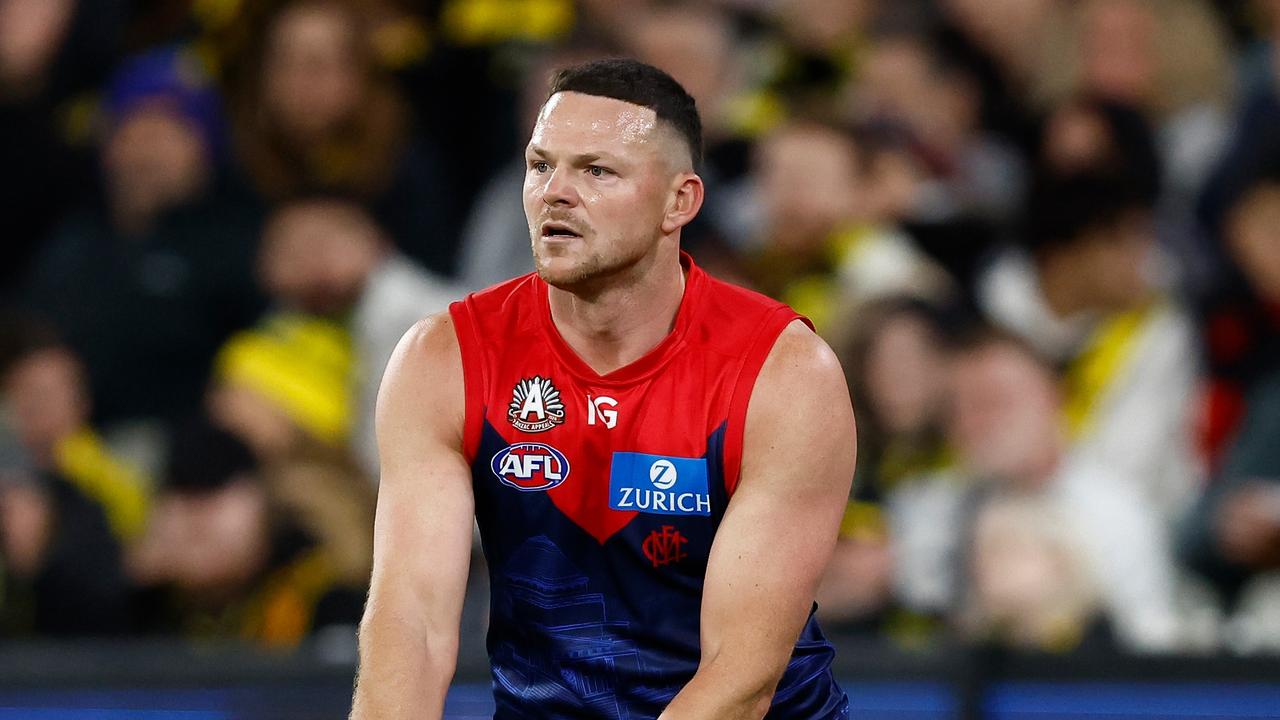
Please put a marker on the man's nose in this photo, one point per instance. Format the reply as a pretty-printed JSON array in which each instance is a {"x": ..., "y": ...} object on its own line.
[{"x": 560, "y": 189}]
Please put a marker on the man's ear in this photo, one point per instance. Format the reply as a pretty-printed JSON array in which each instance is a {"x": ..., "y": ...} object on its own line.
[{"x": 685, "y": 202}]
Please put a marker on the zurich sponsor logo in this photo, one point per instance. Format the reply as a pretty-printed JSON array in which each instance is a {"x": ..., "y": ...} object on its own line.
[
  {"x": 530, "y": 467},
  {"x": 662, "y": 473},
  {"x": 659, "y": 484}
]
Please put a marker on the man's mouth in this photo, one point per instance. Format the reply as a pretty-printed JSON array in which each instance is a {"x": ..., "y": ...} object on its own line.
[{"x": 558, "y": 231}]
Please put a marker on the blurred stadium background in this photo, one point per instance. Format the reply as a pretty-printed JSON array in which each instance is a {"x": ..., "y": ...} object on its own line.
[{"x": 1044, "y": 235}]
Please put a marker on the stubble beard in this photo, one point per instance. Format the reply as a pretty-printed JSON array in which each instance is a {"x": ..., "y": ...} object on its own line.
[{"x": 587, "y": 276}]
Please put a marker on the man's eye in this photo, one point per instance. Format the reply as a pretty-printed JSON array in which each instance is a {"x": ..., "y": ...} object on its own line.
[
  {"x": 598, "y": 171},
  {"x": 539, "y": 166}
]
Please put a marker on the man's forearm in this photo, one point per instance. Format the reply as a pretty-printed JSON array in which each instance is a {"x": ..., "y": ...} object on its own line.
[
  {"x": 720, "y": 692},
  {"x": 403, "y": 673}
]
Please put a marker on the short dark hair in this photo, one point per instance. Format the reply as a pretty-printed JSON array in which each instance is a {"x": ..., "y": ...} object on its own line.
[
  {"x": 205, "y": 458},
  {"x": 22, "y": 336},
  {"x": 639, "y": 84},
  {"x": 1062, "y": 208}
]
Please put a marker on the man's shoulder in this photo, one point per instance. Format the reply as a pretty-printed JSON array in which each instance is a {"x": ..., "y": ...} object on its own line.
[
  {"x": 799, "y": 353},
  {"x": 736, "y": 318}
]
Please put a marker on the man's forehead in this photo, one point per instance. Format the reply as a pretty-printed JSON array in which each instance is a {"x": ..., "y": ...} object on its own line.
[{"x": 601, "y": 119}]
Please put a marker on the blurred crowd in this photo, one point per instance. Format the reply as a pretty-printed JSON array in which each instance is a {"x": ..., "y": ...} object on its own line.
[{"x": 1043, "y": 235}]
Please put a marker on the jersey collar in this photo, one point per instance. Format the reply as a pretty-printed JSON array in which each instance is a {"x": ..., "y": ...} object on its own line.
[{"x": 647, "y": 364}]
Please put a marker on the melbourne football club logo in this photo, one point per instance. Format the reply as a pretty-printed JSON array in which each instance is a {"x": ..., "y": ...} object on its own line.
[
  {"x": 530, "y": 467},
  {"x": 665, "y": 546},
  {"x": 535, "y": 405},
  {"x": 659, "y": 485}
]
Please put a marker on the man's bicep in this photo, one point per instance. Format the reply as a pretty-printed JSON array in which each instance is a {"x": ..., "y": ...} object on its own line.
[
  {"x": 423, "y": 527},
  {"x": 780, "y": 527}
]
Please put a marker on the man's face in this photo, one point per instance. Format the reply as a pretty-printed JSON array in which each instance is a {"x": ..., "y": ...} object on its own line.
[
  {"x": 808, "y": 184},
  {"x": 600, "y": 174},
  {"x": 1253, "y": 237},
  {"x": 1118, "y": 260},
  {"x": 1004, "y": 413},
  {"x": 312, "y": 80},
  {"x": 905, "y": 375},
  {"x": 214, "y": 541},
  {"x": 155, "y": 159},
  {"x": 47, "y": 397},
  {"x": 317, "y": 256}
]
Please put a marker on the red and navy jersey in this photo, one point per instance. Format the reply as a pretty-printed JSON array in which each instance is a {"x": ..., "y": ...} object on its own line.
[{"x": 598, "y": 497}]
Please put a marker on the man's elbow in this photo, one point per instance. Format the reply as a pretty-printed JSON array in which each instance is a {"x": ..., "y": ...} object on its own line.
[
  {"x": 753, "y": 685},
  {"x": 758, "y": 706}
]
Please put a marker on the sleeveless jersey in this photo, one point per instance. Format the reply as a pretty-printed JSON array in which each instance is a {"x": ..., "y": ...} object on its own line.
[{"x": 598, "y": 498}]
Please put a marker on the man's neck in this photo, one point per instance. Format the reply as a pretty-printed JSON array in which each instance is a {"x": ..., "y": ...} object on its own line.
[{"x": 616, "y": 325}]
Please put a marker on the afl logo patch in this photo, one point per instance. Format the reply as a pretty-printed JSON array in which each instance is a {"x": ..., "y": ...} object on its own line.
[
  {"x": 530, "y": 467},
  {"x": 535, "y": 405}
]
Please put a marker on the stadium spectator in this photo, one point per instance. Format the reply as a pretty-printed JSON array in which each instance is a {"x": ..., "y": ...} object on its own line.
[
  {"x": 146, "y": 285},
  {"x": 226, "y": 557},
  {"x": 287, "y": 382},
  {"x": 1030, "y": 586},
  {"x": 316, "y": 113},
  {"x": 45, "y": 389},
  {"x": 1083, "y": 298},
  {"x": 897, "y": 368},
  {"x": 286, "y": 389},
  {"x": 808, "y": 59},
  {"x": 327, "y": 257},
  {"x": 1233, "y": 535},
  {"x": 1168, "y": 57},
  {"x": 1242, "y": 317},
  {"x": 1250, "y": 158},
  {"x": 54, "y": 55},
  {"x": 60, "y": 565},
  {"x": 1007, "y": 428},
  {"x": 67, "y": 505},
  {"x": 827, "y": 239},
  {"x": 905, "y": 85}
]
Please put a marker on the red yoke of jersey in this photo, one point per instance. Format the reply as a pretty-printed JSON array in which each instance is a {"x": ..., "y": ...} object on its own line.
[{"x": 668, "y": 402}]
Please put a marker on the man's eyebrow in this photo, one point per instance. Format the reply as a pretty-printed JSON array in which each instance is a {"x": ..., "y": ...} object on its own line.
[{"x": 579, "y": 159}]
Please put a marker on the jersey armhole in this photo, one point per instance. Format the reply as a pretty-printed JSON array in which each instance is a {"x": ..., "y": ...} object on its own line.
[
  {"x": 756, "y": 353},
  {"x": 473, "y": 376}
]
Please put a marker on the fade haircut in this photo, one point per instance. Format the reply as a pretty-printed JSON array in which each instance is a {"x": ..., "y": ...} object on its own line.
[{"x": 639, "y": 84}]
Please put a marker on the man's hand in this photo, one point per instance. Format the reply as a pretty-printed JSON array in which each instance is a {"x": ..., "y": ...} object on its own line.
[
  {"x": 26, "y": 525},
  {"x": 1249, "y": 526}
]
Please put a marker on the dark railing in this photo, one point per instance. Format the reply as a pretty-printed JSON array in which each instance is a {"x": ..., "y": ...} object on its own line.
[{"x": 109, "y": 680}]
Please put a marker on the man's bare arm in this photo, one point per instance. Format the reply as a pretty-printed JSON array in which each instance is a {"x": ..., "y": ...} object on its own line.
[
  {"x": 422, "y": 534},
  {"x": 778, "y": 531}
]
